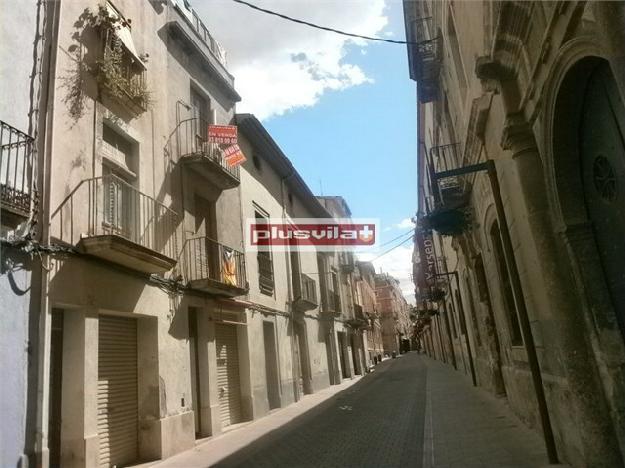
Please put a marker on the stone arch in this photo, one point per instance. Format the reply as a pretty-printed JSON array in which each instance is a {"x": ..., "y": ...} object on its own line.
[{"x": 562, "y": 111}]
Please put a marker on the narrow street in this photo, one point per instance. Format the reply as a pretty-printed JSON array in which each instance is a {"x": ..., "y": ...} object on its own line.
[{"x": 412, "y": 411}]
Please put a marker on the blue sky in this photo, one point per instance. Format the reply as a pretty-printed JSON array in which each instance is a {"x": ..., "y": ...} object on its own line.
[{"x": 344, "y": 112}]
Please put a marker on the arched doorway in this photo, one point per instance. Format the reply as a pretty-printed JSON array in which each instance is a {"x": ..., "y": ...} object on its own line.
[
  {"x": 588, "y": 174},
  {"x": 602, "y": 149}
]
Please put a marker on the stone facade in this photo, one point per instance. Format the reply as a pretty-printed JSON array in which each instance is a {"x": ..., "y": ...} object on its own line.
[{"x": 513, "y": 82}]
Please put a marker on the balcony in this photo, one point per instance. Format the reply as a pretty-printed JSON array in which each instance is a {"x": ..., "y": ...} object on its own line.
[
  {"x": 451, "y": 191},
  {"x": 185, "y": 26},
  {"x": 106, "y": 217},
  {"x": 331, "y": 303},
  {"x": 424, "y": 54},
  {"x": 209, "y": 266},
  {"x": 305, "y": 293},
  {"x": 121, "y": 73},
  {"x": 16, "y": 173},
  {"x": 189, "y": 145},
  {"x": 346, "y": 262}
]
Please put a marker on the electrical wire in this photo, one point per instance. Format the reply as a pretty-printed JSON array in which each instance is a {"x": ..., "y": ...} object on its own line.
[
  {"x": 392, "y": 248},
  {"x": 323, "y": 28},
  {"x": 398, "y": 237}
]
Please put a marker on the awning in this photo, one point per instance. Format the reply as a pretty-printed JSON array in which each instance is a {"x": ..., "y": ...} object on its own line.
[{"x": 124, "y": 35}]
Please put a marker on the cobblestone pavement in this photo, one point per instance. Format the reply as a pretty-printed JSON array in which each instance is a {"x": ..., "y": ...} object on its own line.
[
  {"x": 411, "y": 412},
  {"x": 375, "y": 423}
]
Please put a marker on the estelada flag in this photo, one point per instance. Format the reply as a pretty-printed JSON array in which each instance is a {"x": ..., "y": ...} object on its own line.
[{"x": 234, "y": 156}]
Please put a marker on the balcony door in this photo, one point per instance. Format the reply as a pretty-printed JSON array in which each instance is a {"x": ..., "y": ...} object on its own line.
[
  {"x": 199, "y": 113},
  {"x": 120, "y": 205},
  {"x": 207, "y": 253}
]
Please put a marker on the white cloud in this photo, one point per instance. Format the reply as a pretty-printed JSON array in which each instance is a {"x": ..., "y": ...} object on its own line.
[
  {"x": 405, "y": 223},
  {"x": 279, "y": 65},
  {"x": 397, "y": 263}
]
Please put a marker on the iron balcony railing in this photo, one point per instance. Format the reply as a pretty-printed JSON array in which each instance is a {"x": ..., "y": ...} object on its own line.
[
  {"x": 427, "y": 58},
  {"x": 201, "y": 31},
  {"x": 206, "y": 37},
  {"x": 450, "y": 191},
  {"x": 332, "y": 302},
  {"x": 108, "y": 205},
  {"x": 16, "y": 169},
  {"x": 306, "y": 289},
  {"x": 190, "y": 139},
  {"x": 124, "y": 76},
  {"x": 203, "y": 258}
]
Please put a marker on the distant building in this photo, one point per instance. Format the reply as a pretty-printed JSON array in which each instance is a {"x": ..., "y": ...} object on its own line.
[{"x": 394, "y": 312}]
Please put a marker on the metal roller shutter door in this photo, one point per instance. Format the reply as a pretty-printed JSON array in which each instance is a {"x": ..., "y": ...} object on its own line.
[
  {"x": 228, "y": 382},
  {"x": 117, "y": 391}
]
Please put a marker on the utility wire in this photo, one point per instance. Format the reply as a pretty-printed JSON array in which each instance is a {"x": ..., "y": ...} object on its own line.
[
  {"x": 392, "y": 248},
  {"x": 323, "y": 28},
  {"x": 410, "y": 231}
]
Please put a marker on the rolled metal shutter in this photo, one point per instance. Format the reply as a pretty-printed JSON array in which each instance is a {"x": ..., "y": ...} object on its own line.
[
  {"x": 117, "y": 391},
  {"x": 228, "y": 381}
]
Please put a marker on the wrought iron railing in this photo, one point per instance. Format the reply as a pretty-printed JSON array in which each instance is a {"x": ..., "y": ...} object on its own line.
[
  {"x": 427, "y": 56},
  {"x": 332, "y": 302},
  {"x": 450, "y": 191},
  {"x": 121, "y": 73},
  {"x": 108, "y": 205},
  {"x": 16, "y": 169},
  {"x": 306, "y": 289},
  {"x": 204, "y": 258},
  {"x": 202, "y": 32},
  {"x": 190, "y": 139},
  {"x": 206, "y": 37}
]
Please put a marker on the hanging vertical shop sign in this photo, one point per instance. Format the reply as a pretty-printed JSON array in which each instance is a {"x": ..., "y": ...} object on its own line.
[{"x": 425, "y": 260}]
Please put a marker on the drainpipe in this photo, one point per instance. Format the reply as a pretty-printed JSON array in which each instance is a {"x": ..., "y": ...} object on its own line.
[
  {"x": 39, "y": 281},
  {"x": 519, "y": 299},
  {"x": 294, "y": 365}
]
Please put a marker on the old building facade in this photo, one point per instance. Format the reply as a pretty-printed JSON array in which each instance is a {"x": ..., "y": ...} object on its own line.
[
  {"x": 520, "y": 213},
  {"x": 394, "y": 314},
  {"x": 137, "y": 320}
]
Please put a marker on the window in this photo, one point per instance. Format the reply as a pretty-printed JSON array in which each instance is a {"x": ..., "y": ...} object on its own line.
[
  {"x": 265, "y": 264},
  {"x": 199, "y": 114},
  {"x": 506, "y": 286},
  {"x": 118, "y": 150},
  {"x": 454, "y": 45}
]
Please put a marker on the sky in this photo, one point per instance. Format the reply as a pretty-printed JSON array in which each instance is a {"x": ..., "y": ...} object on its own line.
[{"x": 343, "y": 110}]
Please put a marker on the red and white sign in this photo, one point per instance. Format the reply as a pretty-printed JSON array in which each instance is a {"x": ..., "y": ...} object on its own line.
[
  {"x": 234, "y": 156},
  {"x": 319, "y": 234},
  {"x": 222, "y": 134}
]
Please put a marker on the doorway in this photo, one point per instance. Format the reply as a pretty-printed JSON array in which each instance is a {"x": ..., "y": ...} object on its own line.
[
  {"x": 271, "y": 365},
  {"x": 196, "y": 395},
  {"x": 56, "y": 382},
  {"x": 602, "y": 148}
]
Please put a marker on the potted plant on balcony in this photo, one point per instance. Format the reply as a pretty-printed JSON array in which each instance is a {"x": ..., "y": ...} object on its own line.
[
  {"x": 448, "y": 221},
  {"x": 118, "y": 71}
]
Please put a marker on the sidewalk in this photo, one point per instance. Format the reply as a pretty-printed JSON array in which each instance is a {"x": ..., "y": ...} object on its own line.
[
  {"x": 466, "y": 427},
  {"x": 211, "y": 451}
]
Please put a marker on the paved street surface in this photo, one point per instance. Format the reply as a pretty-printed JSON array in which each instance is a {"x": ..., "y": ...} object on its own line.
[{"x": 411, "y": 412}]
